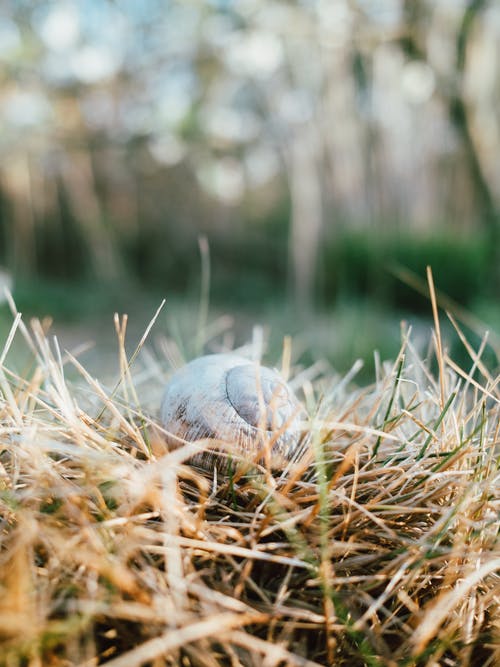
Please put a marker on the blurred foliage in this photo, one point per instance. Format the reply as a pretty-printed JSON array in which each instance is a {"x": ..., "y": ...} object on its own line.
[
  {"x": 72, "y": 301},
  {"x": 368, "y": 265}
]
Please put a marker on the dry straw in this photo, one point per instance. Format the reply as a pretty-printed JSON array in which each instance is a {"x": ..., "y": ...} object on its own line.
[{"x": 379, "y": 547}]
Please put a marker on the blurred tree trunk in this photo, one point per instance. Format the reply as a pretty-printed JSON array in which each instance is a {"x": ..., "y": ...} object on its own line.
[
  {"x": 21, "y": 250},
  {"x": 306, "y": 214},
  {"x": 459, "y": 116},
  {"x": 79, "y": 178}
]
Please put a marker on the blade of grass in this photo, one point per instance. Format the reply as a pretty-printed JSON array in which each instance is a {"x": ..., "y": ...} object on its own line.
[
  {"x": 204, "y": 295},
  {"x": 134, "y": 355},
  {"x": 437, "y": 329},
  {"x": 437, "y": 423},
  {"x": 391, "y": 401}
]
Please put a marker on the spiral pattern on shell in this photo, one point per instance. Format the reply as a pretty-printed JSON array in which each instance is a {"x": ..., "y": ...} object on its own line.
[{"x": 243, "y": 407}]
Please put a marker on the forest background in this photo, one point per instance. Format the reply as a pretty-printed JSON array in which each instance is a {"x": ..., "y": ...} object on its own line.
[{"x": 301, "y": 161}]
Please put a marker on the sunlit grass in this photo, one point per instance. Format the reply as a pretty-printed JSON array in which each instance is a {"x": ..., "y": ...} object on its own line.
[{"x": 379, "y": 547}]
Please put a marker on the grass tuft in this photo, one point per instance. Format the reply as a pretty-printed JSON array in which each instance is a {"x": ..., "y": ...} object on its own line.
[{"x": 379, "y": 547}]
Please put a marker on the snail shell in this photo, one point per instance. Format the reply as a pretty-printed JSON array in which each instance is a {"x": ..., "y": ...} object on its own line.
[{"x": 245, "y": 408}]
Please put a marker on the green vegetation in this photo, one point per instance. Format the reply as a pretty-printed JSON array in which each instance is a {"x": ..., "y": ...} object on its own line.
[
  {"x": 366, "y": 285},
  {"x": 250, "y": 267},
  {"x": 372, "y": 264}
]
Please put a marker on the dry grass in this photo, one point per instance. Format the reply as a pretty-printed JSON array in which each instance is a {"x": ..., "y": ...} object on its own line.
[{"x": 379, "y": 548}]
